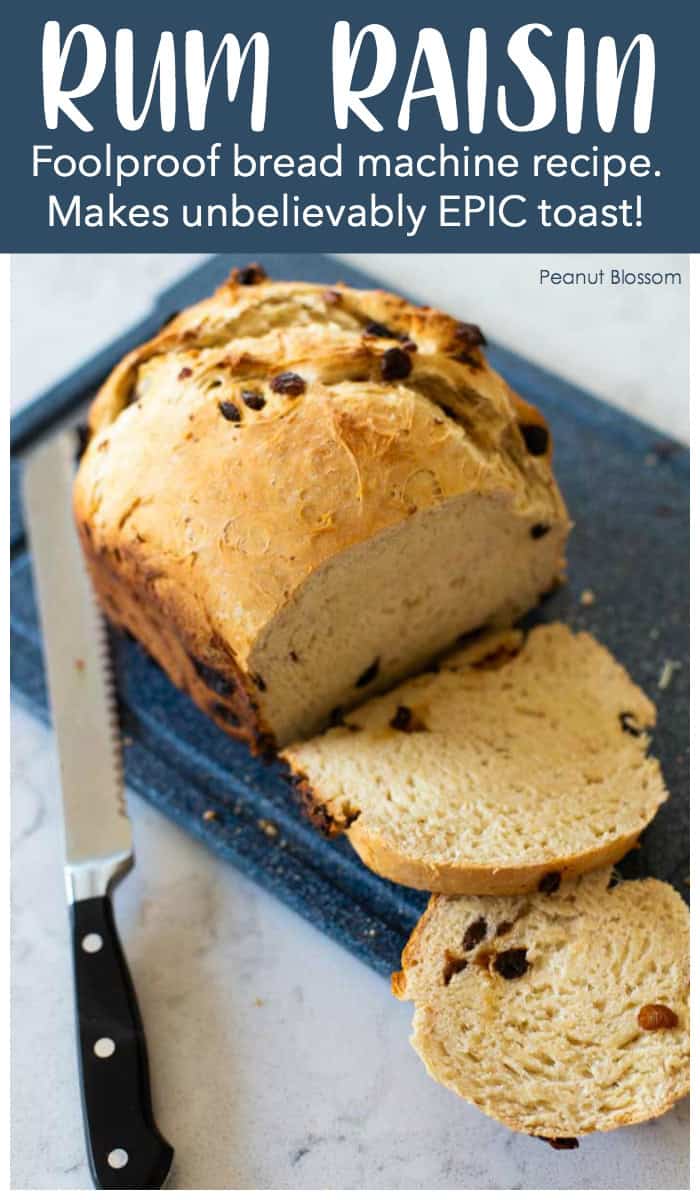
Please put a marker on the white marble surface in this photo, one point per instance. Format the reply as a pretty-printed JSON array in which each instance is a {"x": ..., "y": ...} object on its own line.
[{"x": 278, "y": 1060}]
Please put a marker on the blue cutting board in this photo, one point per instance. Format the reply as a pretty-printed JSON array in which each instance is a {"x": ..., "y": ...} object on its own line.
[{"x": 627, "y": 489}]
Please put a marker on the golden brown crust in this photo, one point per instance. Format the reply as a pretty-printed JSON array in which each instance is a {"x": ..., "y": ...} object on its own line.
[
  {"x": 273, "y": 427},
  {"x": 204, "y": 668},
  {"x": 316, "y": 813},
  {"x": 451, "y": 880},
  {"x": 411, "y": 951}
]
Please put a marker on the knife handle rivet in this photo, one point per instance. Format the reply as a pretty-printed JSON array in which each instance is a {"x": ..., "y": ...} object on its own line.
[
  {"x": 104, "y": 1047},
  {"x": 117, "y": 1159},
  {"x": 91, "y": 943}
]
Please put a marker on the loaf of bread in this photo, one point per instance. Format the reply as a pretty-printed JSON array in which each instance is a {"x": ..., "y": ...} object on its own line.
[
  {"x": 515, "y": 762},
  {"x": 558, "y": 1014},
  {"x": 295, "y": 495}
]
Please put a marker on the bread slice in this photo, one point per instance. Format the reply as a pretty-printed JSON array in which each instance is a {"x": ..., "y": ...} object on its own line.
[
  {"x": 295, "y": 495},
  {"x": 517, "y": 759},
  {"x": 560, "y": 1014}
]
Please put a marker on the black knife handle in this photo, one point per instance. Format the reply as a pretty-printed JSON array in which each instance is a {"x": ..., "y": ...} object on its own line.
[{"x": 124, "y": 1146}]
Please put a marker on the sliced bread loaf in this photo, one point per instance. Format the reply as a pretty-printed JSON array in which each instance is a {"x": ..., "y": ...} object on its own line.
[
  {"x": 517, "y": 759},
  {"x": 295, "y": 495},
  {"x": 556, "y": 1014}
]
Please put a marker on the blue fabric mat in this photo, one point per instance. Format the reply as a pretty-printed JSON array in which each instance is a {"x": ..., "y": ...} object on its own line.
[{"x": 627, "y": 489}]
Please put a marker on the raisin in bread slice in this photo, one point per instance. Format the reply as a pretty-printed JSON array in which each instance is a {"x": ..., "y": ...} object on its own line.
[
  {"x": 517, "y": 758},
  {"x": 295, "y": 495},
  {"x": 558, "y": 1014}
]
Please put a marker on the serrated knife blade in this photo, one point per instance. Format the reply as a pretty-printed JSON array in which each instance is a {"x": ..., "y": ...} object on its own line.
[
  {"x": 125, "y": 1148},
  {"x": 98, "y": 839}
]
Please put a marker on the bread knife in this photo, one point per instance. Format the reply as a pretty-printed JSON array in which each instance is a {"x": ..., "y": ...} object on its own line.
[{"x": 125, "y": 1148}]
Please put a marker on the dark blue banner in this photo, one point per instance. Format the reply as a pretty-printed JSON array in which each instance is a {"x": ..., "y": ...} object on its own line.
[{"x": 500, "y": 126}]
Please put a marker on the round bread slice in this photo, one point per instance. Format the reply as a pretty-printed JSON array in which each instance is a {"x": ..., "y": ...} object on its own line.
[
  {"x": 516, "y": 759},
  {"x": 560, "y": 1014}
]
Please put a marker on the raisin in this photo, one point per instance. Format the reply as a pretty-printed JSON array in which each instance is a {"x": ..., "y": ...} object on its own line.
[
  {"x": 656, "y": 1016},
  {"x": 402, "y": 718},
  {"x": 465, "y": 357},
  {"x": 549, "y": 884},
  {"x": 185, "y": 373},
  {"x": 511, "y": 964},
  {"x": 536, "y": 438},
  {"x": 225, "y": 714},
  {"x": 453, "y": 965},
  {"x": 288, "y": 383},
  {"x": 369, "y": 675},
  {"x": 539, "y": 531},
  {"x": 213, "y": 679},
  {"x": 396, "y": 364},
  {"x": 350, "y": 814},
  {"x": 628, "y": 724},
  {"x": 561, "y": 1143},
  {"x": 470, "y": 636},
  {"x": 253, "y": 400},
  {"x": 469, "y": 335},
  {"x": 229, "y": 410},
  {"x": 504, "y": 928},
  {"x": 405, "y": 720},
  {"x": 495, "y": 660},
  {"x": 294, "y": 656},
  {"x": 474, "y": 933},
  {"x": 252, "y": 273},
  {"x": 376, "y": 329},
  {"x": 449, "y": 412}
]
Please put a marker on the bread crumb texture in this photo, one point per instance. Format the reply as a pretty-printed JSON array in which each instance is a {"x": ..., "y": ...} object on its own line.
[
  {"x": 519, "y": 759},
  {"x": 593, "y": 1033}
]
